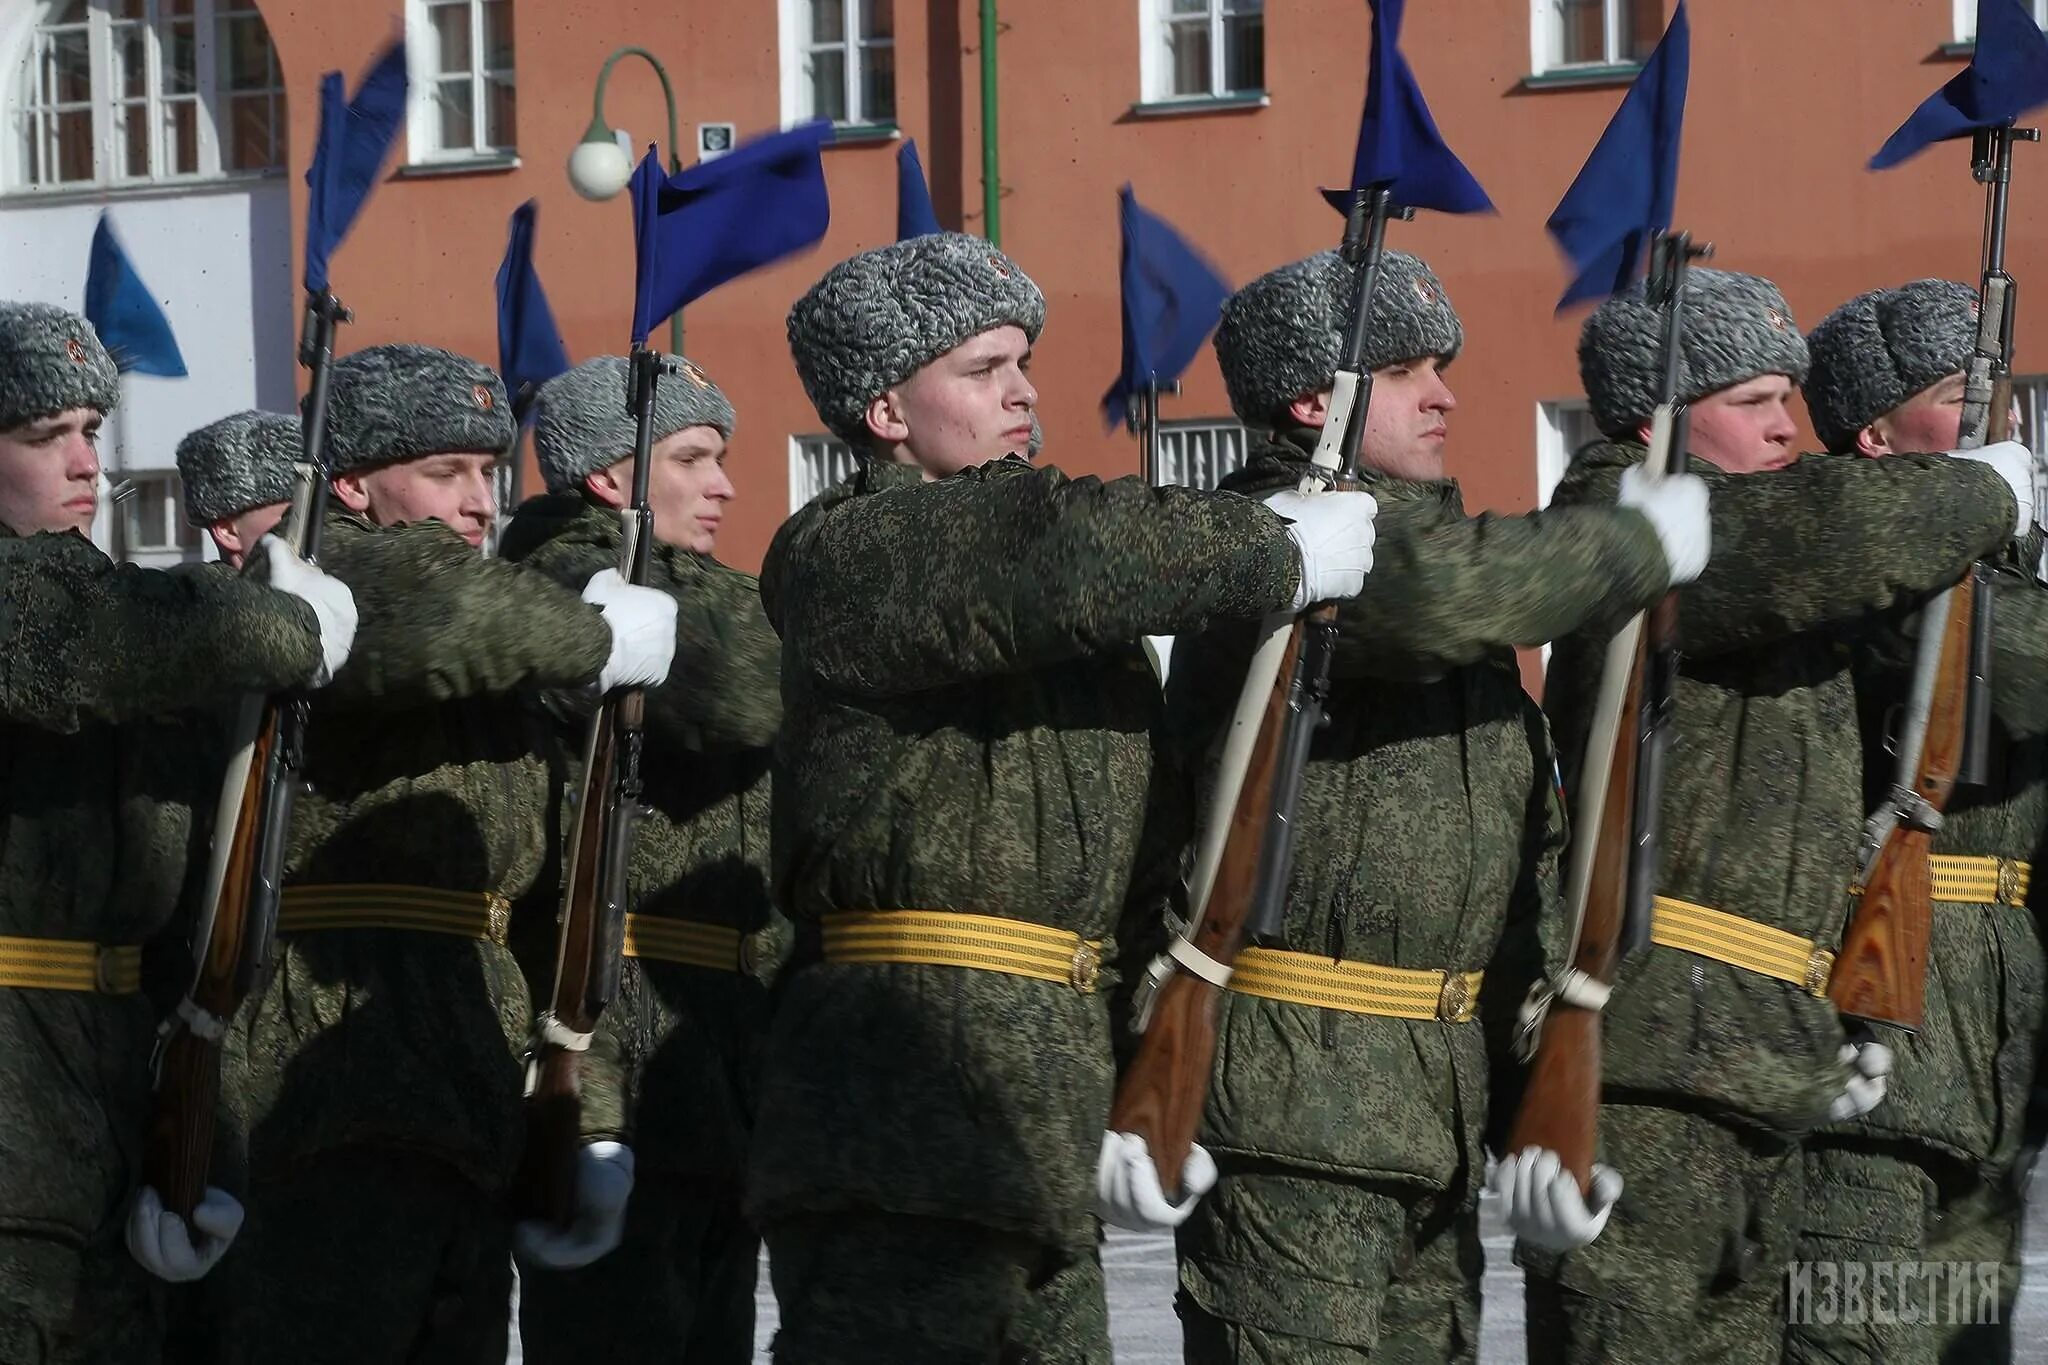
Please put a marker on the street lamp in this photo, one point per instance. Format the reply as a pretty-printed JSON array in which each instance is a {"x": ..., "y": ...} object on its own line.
[{"x": 599, "y": 168}]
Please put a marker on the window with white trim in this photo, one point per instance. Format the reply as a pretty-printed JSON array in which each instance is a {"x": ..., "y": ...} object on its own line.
[
  {"x": 817, "y": 463},
  {"x": 839, "y": 61},
  {"x": 1966, "y": 17},
  {"x": 2030, "y": 396},
  {"x": 113, "y": 93},
  {"x": 1569, "y": 33},
  {"x": 464, "y": 101},
  {"x": 151, "y": 504},
  {"x": 1563, "y": 425},
  {"x": 1201, "y": 49},
  {"x": 1200, "y": 453}
]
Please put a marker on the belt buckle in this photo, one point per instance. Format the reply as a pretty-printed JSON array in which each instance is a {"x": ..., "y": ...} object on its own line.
[
  {"x": 749, "y": 955},
  {"x": 1084, "y": 973},
  {"x": 1820, "y": 968},
  {"x": 1454, "y": 1002},
  {"x": 103, "y": 959},
  {"x": 499, "y": 921},
  {"x": 2008, "y": 882}
]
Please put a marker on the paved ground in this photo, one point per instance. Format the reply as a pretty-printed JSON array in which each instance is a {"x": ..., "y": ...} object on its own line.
[{"x": 1140, "y": 1271}]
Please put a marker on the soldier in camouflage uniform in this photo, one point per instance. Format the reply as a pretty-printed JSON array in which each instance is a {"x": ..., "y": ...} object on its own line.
[
  {"x": 962, "y": 771},
  {"x": 1932, "y": 1174},
  {"x": 376, "y": 1072},
  {"x": 1346, "y": 1116},
  {"x": 237, "y": 478},
  {"x": 692, "y": 1011},
  {"x": 1722, "y": 1050},
  {"x": 109, "y": 760}
]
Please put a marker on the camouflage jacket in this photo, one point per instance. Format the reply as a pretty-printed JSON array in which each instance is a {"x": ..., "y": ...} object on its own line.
[
  {"x": 109, "y": 763},
  {"x": 1428, "y": 828},
  {"x": 969, "y": 727},
  {"x": 427, "y": 764},
  {"x": 685, "y": 1039},
  {"x": 1762, "y": 803},
  {"x": 1961, "y": 1083}
]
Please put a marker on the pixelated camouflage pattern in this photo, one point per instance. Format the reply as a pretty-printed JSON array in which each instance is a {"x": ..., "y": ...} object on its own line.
[
  {"x": 1762, "y": 804},
  {"x": 687, "y": 1039},
  {"x": 1428, "y": 825},
  {"x": 427, "y": 764},
  {"x": 968, "y": 727},
  {"x": 110, "y": 746}
]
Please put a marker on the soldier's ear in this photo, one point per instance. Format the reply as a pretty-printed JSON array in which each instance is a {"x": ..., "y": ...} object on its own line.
[
  {"x": 606, "y": 485},
  {"x": 1872, "y": 441},
  {"x": 349, "y": 488},
  {"x": 885, "y": 419},
  {"x": 1310, "y": 409},
  {"x": 225, "y": 537}
]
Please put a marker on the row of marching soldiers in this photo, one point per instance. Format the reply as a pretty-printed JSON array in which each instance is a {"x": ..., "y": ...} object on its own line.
[{"x": 920, "y": 818}]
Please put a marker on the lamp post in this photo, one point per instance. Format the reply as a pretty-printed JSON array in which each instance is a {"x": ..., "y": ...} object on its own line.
[{"x": 599, "y": 168}]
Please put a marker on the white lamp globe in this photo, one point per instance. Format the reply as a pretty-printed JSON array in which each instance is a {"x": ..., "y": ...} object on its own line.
[{"x": 599, "y": 169}]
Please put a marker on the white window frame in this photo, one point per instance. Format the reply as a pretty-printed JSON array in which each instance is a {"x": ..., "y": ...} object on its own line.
[
  {"x": 110, "y": 172},
  {"x": 793, "y": 33},
  {"x": 818, "y": 461},
  {"x": 1201, "y": 452},
  {"x": 1562, "y": 426},
  {"x": 423, "y": 112},
  {"x": 1546, "y": 38},
  {"x": 174, "y": 535},
  {"x": 1966, "y": 18},
  {"x": 1155, "y": 54}
]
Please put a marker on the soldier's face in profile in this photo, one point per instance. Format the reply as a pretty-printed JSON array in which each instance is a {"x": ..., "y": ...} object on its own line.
[
  {"x": 454, "y": 489},
  {"x": 50, "y": 473},
  {"x": 1408, "y": 419},
  {"x": 1930, "y": 422},
  {"x": 1745, "y": 428},
  {"x": 237, "y": 535},
  {"x": 687, "y": 488},
  {"x": 971, "y": 405}
]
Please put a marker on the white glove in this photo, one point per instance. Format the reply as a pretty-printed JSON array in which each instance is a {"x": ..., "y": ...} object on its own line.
[
  {"x": 2016, "y": 464},
  {"x": 334, "y": 606},
  {"x": 164, "y": 1246},
  {"x": 1127, "y": 1192},
  {"x": 1677, "y": 509},
  {"x": 643, "y": 622},
  {"x": 1542, "y": 1203},
  {"x": 1869, "y": 1064},
  {"x": 1334, "y": 533},
  {"x": 604, "y": 1181}
]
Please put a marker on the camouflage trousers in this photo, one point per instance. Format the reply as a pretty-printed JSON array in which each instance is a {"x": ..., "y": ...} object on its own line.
[
  {"x": 369, "y": 1254},
  {"x": 680, "y": 1287},
  {"x": 61, "y": 1304},
  {"x": 1870, "y": 1212},
  {"x": 1280, "y": 1267},
  {"x": 1691, "y": 1266},
  {"x": 895, "y": 1289}
]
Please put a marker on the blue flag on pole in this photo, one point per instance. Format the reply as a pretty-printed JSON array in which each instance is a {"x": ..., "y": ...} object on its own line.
[
  {"x": 1172, "y": 299},
  {"x": 2007, "y": 76},
  {"x": 1626, "y": 192},
  {"x": 530, "y": 350},
  {"x": 915, "y": 216},
  {"x": 1398, "y": 143},
  {"x": 355, "y": 136},
  {"x": 717, "y": 220},
  {"x": 130, "y": 321}
]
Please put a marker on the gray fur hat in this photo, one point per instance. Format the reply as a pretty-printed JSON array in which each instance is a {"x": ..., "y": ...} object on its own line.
[
  {"x": 51, "y": 361},
  {"x": 402, "y": 402},
  {"x": 880, "y": 317},
  {"x": 582, "y": 423},
  {"x": 1879, "y": 349},
  {"x": 1281, "y": 335},
  {"x": 1737, "y": 327},
  {"x": 242, "y": 461}
]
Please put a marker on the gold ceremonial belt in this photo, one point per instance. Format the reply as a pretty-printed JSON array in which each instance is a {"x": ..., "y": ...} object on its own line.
[
  {"x": 657, "y": 939},
  {"x": 985, "y": 943},
  {"x": 1742, "y": 943},
  {"x": 421, "y": 909},
  {"x": 1979, "y": 881},
  {"x": 61, "y": 964},
  {"x": 1356, "y": 987}
]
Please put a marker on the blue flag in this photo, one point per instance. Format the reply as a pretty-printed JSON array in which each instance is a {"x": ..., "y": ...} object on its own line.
[
  {"x": 131, "y": 323},
  {"x": 1172, "y": 299},
  {"x": 530, "y": 350},
  {"x": 2007, "y": 76},
  {"x": 354, "y": 138},
  {"x": 1398, "y": 144},
  {"x": 717, "y": 220},
  {"x": 1627, "y": 189},
  {"x": 915, "y": 216}
]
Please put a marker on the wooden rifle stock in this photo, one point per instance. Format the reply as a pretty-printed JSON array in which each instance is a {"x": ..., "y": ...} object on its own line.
[{"x": 1161, "y": 1096}]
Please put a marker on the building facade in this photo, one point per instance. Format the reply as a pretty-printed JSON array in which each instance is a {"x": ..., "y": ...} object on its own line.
[{"x": 191, "y": 121}]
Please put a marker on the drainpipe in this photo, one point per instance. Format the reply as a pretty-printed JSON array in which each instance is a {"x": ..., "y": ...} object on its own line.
[{"x": 991, "y": 173}]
